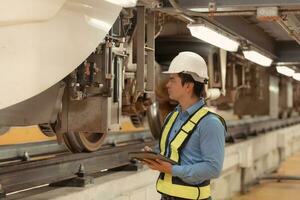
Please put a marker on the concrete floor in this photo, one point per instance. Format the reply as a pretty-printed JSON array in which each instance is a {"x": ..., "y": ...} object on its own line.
[{"x": 271, "y": 189}]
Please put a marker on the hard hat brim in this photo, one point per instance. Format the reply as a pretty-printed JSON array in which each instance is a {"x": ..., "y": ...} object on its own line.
[{"x": 195, "y": 76}]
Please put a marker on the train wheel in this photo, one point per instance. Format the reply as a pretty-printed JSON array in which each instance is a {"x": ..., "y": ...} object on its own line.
[
  {"x": 83, "y": 142},
  {"x": 154, "y": 120}
]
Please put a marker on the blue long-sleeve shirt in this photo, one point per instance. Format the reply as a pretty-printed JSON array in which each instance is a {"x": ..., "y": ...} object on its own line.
[{"x": 203, "y": 155}]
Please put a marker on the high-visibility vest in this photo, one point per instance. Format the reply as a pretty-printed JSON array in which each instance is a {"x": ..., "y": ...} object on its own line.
[{"x": 174, "y": 186}]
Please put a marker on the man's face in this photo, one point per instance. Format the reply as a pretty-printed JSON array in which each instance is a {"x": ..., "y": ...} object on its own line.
[{"x": 175, "y": 88}]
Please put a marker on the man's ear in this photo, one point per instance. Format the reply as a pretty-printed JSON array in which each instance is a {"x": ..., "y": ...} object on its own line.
[{"x": 190, "y": 86}]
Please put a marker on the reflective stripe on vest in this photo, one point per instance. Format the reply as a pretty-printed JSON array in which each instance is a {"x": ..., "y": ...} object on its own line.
[
  {"x": 166, "y": 131},
  {"x": 185, "y": 131},
  {"x": 165, "y": 184}
]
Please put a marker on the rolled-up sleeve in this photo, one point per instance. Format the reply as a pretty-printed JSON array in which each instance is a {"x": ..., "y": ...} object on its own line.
[{"x": 212, "y": 142}]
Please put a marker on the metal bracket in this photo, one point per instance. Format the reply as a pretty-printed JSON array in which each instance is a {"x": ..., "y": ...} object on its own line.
[
  {"x": 279, "y": 178},
  {"x": 74, "y": 182},
  {"x": 81, "y": 181},
  {"x": 212, "y": 6},
  {"x": 2, "y": 193},
  {"x": 25, "y": 156}
]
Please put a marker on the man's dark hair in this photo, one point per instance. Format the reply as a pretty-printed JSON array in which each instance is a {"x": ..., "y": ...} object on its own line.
[{"x": 199, "y": 90}]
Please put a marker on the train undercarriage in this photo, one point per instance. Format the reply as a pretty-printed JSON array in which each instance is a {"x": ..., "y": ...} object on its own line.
[
  {"x": 84, "y": 76},
  {"x": 117, "y": 88}
]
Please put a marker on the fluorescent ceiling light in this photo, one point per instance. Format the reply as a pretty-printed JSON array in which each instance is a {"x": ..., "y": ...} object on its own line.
[
  {"x": 123, "y": 3},
  {"x": 200, "y": 9},
  {"x": 285, "y": 70},
  {"x": 257, "y": 58},
  {"x": 296, "y": 76},
  {"x": 209, "y": 35}
]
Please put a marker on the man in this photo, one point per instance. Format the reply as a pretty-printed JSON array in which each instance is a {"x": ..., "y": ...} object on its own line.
[{"x": 191, "y": 136}]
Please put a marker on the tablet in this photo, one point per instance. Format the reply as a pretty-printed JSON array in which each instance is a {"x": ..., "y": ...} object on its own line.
[{"x": 141, "y": 155}]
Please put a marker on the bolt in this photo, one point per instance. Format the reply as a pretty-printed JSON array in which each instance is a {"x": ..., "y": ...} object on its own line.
[
  {"x": 81, "y": 171},
  {"x": 2, "y": 193}
]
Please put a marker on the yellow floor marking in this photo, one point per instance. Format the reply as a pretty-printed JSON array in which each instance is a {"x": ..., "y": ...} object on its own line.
[{"x": 18, "y": 135}]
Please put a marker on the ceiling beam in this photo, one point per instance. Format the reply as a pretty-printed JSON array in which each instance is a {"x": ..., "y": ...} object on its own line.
[
  {"x": 235, "y": 25},
  {"x": 234, "y": 5},
  {"x": 238, "y": 26}
]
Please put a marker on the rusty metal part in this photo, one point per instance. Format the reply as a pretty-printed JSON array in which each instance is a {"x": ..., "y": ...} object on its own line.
[
  {"x": 83, "y": 124},
  {"x": 154, "y": 120},
  {"x": 150, "y": 48},
  {"x": 78, "y": 142},
  {"x": 47, "y": 129},
  {"x": 42, "y": 108},
  {"x": 140, "y": 43},
  {"x": 290, "y": 32},
  {"x": 66, "y": 142},
  {"x": 14, "y": 177}
]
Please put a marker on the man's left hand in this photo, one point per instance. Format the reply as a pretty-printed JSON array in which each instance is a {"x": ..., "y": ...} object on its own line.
[{"x": 159, "y": 165}]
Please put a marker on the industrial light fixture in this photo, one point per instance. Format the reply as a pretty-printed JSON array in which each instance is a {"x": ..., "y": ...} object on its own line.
[
  {"x": 285, "y": 70},
  {"x": 296, "y": 76},
  {"x": 210, "y": 35},
  {"x": 257, "y": 58},
  {"x": 123, "y": 3}
]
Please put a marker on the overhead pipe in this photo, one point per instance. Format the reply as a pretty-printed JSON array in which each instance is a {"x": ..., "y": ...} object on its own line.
[
  {"x": 280, "y": 177},
  {"x": 179, "y": 9},
  {"x": 286, "y": 28}
]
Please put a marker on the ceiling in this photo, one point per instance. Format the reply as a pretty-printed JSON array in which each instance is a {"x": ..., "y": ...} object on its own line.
[{"x": 273, "y": 26}]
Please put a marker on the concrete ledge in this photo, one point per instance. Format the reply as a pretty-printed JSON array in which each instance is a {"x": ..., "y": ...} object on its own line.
[{"x": 118, "y": 186}]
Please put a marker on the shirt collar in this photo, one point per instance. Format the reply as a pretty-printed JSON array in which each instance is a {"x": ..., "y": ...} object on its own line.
[{"x": 192, "y": 108}]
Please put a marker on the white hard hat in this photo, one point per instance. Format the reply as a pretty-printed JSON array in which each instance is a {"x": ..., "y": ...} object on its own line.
[{"x": 190, "y": 63}]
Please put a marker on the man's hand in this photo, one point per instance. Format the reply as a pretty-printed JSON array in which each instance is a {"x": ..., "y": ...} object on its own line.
[{"x": 159, "y": 165}]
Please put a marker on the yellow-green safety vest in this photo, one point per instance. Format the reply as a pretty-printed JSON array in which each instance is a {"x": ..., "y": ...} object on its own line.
[{"x": 174, "y": 186}]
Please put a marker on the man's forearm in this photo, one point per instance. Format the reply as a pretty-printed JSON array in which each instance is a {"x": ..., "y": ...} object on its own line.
[{"x": 196, "y": 173}]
